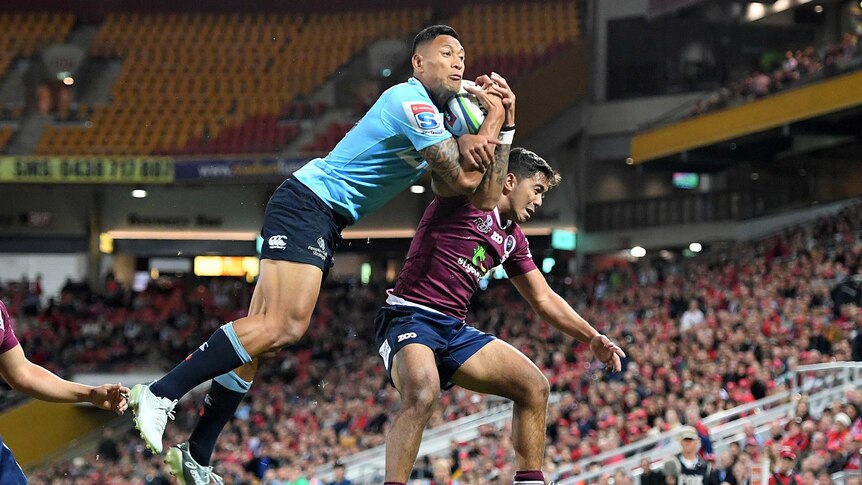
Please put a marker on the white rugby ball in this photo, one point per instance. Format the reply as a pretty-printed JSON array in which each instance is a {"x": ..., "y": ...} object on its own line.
[{"x": 464, "y": 113}]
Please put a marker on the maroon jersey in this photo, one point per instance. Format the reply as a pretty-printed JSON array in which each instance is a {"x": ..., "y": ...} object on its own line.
[
  {"x": 455, "y": 245},
  {"x": 9, "y": 341}
]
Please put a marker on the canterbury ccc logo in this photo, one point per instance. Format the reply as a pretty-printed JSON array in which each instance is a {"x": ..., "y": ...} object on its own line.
[{"x": 277, "y": 242}]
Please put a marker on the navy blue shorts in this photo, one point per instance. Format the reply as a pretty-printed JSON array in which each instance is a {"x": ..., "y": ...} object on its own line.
[
  {"x": 299, "y": 227},
  {"x": 10, "y": 470},
  {"x": 452, "y": 340}
]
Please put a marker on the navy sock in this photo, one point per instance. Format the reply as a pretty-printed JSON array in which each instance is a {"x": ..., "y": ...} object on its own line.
[
  {"x": 531, "y": 477},
  {"x": 219, "y": 406},
  {"x": 219, "y": 355}
]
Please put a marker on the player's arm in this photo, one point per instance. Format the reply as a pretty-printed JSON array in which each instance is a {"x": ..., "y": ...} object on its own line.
[
  {"x": 458, "y": 165},
  {"x": 555, "y": 310},
  {"x": 42, "y": 384},
  {"x": 488, "y": 193}
]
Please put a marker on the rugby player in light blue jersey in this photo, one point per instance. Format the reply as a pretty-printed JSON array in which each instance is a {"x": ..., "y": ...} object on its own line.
[{"x": 397, "y": 141}]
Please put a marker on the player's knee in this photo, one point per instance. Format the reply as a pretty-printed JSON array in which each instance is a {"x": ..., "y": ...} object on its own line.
[
  {"x": 282, "y": 331},
  {"x": 421, "y": 398},
  {"x": 534, "y": 391}
]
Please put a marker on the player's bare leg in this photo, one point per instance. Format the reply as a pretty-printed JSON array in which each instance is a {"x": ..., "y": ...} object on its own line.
[
  {"x": 499, "y": 369},
  {"x": 414, "y": 373},
  {"x": 290, "y": 292}
]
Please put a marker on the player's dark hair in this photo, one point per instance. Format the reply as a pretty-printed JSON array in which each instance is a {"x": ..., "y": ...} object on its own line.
[
  {"x": 432, "y": 32},
  {"x": 525, "y": 164}
]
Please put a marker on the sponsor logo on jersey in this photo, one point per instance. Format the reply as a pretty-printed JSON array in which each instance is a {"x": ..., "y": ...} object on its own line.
[
  {"x": 497, "y": 238},
  {"x": 484, "y": 224},
  {"x": 319, "y": 250},
  {"x": 424, "y": 117},
  {"x": 277, "y": 242},
  {"x": 475, "y": 266}
]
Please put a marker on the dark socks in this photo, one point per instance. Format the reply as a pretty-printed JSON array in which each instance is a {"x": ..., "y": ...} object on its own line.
[
  {"x": 531, "y": 477},
  {"x": 219, "y": 406},
  {"x": 219, "y": 355}
]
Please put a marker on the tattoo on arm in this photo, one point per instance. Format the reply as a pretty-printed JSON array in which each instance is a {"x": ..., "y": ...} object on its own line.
[
  {"x": 445, "y": 160},
  {"x": 491, "y": 187},
  {"x": 501, "y": 163}
]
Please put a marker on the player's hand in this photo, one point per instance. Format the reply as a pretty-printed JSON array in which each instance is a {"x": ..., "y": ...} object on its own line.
[
  {"x": 498, "y": 85},
  {"x": 607, "y": 352},
  {"x": 110, "y": 397},
  {"x": 477, "y": 152},
  {"x": 490, "y": 99}
]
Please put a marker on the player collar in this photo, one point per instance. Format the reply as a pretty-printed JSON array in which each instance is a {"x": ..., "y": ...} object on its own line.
[
  {"x": 427, "y": 91},
  {"x": 499, "y": 223}
]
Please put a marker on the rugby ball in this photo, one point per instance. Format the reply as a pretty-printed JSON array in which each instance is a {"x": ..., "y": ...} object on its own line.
[{"x": 464, "y": 113}]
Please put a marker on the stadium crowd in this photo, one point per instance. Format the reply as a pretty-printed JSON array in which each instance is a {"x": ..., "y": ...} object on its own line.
[
  {"x": 702, "y": 335},
  {"x": 797, "y": 66}
]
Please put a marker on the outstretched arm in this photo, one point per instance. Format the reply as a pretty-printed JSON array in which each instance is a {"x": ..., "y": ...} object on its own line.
[
  {"x": 40, "y": 383},
  {"x": 555, "y": 310}
]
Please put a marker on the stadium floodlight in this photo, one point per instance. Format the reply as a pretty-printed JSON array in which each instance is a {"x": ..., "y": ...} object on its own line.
[
  {"x": 417, "y": 189},
  {"x": 68, "y": 80},
  {"x": 695, "y": 247},
  {"x": 638, "y": 252},
  {"x": 139, "y": 193}
]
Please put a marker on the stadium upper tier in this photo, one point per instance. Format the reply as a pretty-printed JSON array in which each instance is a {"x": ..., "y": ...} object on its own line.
[
  {"x": 25, "y": 33},
  {"x": 513, "y": 38},
  {"x": 222, "y": 83},
  {"x": 192, "y": 77}
]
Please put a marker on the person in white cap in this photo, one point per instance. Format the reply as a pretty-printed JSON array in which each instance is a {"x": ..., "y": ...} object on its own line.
[{"x": 688, "y": 467}]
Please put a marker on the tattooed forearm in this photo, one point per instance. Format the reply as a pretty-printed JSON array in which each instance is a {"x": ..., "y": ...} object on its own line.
[
  {"x": 488, "y": 192},
  {"x": 444, "y": 160},
  {"x": 501, "y": 163}
]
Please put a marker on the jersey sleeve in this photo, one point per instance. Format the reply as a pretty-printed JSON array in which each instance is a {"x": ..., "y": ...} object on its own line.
[
  {"x": 520, "y": 260},
  {"x": 410, "y": 112},
  {"x": 9, "y": 341}
]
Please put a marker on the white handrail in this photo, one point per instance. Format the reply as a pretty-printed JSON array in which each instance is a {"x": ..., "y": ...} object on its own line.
[{"x": 782, "y": 405}]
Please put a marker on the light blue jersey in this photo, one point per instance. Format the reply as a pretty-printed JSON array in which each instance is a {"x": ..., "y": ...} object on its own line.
[{"x": 379, "y": 157}]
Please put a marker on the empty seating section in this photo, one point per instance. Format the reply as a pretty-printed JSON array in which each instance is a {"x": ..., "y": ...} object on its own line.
[
  {"x": 206, "y": 83},
  {"x": 233, "y": 83},
  {"x": 23, "y": 34},
  {"x": 513, "y": 38}
]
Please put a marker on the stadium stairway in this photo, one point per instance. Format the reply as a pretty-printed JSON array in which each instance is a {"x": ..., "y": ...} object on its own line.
[
  {"x": 99, "y": 76},
  {"x": 83, "y": 36},
  {"x": 29, "y": 133},
  {"x": 12, "y": 84}
]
